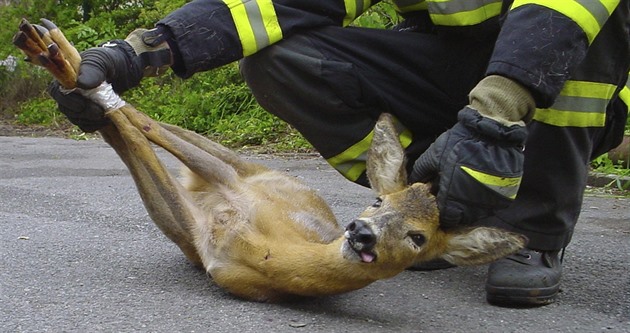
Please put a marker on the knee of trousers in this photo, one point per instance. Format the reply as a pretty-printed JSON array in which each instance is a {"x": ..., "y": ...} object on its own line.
[
  {"x": 280, "y": 72},
  {"x": 256, "y": 70}
]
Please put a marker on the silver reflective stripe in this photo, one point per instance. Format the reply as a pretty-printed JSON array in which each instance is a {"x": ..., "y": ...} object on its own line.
[
  {"x": 256, "y": 22},
  {"x": 597, "y": 9},
  {"x": 506, "y": 191},
  {"x": 580, "y": 104},
  {"x": 360, "y": 8}
]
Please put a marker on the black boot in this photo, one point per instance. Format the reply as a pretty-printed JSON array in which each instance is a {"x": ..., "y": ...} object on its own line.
[{"x": 527, "y": 278}]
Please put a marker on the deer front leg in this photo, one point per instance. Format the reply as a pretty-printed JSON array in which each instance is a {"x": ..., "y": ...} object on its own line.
[
  {"x": 168, "y": 204},
  {"x": 166, "y": 201}
]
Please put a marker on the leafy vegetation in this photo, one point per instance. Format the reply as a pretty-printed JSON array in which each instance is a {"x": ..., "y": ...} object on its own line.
[{"x": 216, "y": 103}]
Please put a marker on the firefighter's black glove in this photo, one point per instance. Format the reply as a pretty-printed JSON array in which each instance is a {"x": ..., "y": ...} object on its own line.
[
  {"x": 122, "y": 63},
  {"x": 80, "y": 110},
  {"x": 477, "y": 165}
]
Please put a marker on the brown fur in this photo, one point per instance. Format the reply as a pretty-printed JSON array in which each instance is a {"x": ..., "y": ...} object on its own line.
[{"x": 264, "y": 236}]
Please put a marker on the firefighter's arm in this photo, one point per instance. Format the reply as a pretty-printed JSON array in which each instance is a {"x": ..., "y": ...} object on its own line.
[
  {"x": 541, "y": 42},
  {"x": 211, "y": 33}
]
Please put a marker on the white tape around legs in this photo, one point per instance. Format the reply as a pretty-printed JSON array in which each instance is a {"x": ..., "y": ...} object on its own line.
[
  {"x": 102, "y": 95},
  {"x": 105, "y": 96}
]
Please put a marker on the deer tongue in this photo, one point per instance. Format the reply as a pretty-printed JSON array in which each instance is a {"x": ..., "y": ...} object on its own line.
[{"x": 367, "y": 257}]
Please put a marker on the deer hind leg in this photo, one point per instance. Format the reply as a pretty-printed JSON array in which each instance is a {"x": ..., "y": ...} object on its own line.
[
  {"x": 166, "y": 201},
  {"x": 210, "y": 161},
  {"x": 242, "y": 167}
]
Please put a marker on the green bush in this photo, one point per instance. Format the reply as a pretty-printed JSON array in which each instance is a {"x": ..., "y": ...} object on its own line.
[
  {"x": 23, "y": 84},
  {"x": 39, "y": 111},
  {"x": 382, "y": 15},
  {"x": 216, "y": 103}
]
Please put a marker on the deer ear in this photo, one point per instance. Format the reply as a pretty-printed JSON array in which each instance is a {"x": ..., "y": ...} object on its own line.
[
  {"x": 386, "y": 158},
  {"x": 480, "y": 245}
]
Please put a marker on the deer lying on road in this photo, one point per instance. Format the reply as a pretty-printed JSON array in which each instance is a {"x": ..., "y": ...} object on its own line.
[{"x": 262, "y": 234}]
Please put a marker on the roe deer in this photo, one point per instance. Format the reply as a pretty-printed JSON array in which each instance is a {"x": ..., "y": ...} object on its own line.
[{"x": 264, "y": 236}]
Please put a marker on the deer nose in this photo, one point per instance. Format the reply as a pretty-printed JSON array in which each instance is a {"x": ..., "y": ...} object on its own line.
[{"x": 360, "y": 234}]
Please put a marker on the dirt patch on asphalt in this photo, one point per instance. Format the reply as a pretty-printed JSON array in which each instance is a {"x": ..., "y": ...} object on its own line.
[{"x": 10, "y": 128}]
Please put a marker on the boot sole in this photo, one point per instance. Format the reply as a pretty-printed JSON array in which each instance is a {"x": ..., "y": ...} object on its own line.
[{"x": 521, "y": 296}]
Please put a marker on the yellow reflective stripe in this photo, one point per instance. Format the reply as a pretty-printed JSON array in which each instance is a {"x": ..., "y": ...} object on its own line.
[
  {"x": 505, "y": 186},
  {"x": 588, "y": 89},
  {"x": 590, "y": 15},
  {"x": 256, "y": 23},
  {"x": 624, "y": 94},
  {"x": 354, "y": 8},
  {"x": 561, "y": 118},
  {"x": 270, "y": 22},
  {"x": 580, "y": 104},
  {"x": 351, "y": 162},
  {"x": 405, "y": 138},
  {"x": 463, "y": 12},
  {"x": 405, "y": 6}
]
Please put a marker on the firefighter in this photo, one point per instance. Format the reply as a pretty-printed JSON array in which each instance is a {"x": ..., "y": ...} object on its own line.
[{"x": 502, "y": 103}]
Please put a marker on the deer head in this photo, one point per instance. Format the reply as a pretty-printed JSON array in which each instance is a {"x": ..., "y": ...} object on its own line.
[{"x": 402, "y": 227}]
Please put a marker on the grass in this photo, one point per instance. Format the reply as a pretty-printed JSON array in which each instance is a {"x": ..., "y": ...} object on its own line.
[{"x": 217, "y": 104}]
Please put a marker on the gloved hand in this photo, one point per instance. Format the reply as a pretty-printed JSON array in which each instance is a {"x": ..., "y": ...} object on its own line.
[
  {"x": 477, "y": 165},
  {"x": 122, "y": 63},
  {"x": 80, "y": 110}
]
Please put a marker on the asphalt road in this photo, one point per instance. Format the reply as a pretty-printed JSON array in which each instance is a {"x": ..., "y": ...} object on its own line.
[{"x": 78, "y": 253}]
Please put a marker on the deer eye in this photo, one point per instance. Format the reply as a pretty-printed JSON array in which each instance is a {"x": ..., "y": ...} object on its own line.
[
  {"x": 377, "y": 203},
  {"x": 418, "y": 239}
]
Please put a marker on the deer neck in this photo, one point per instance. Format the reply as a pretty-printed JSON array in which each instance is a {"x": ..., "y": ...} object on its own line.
[{"x": 319, "y": 269}]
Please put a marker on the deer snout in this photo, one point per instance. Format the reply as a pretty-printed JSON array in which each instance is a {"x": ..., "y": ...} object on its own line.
[{"x": 360, "y": 235}]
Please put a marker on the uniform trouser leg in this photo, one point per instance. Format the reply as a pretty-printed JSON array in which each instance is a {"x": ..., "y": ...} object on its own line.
[
  {"x": 555, "y": 174},
  {"x": 550, "y": 197},
  {"x": 332, "y": 84}
]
